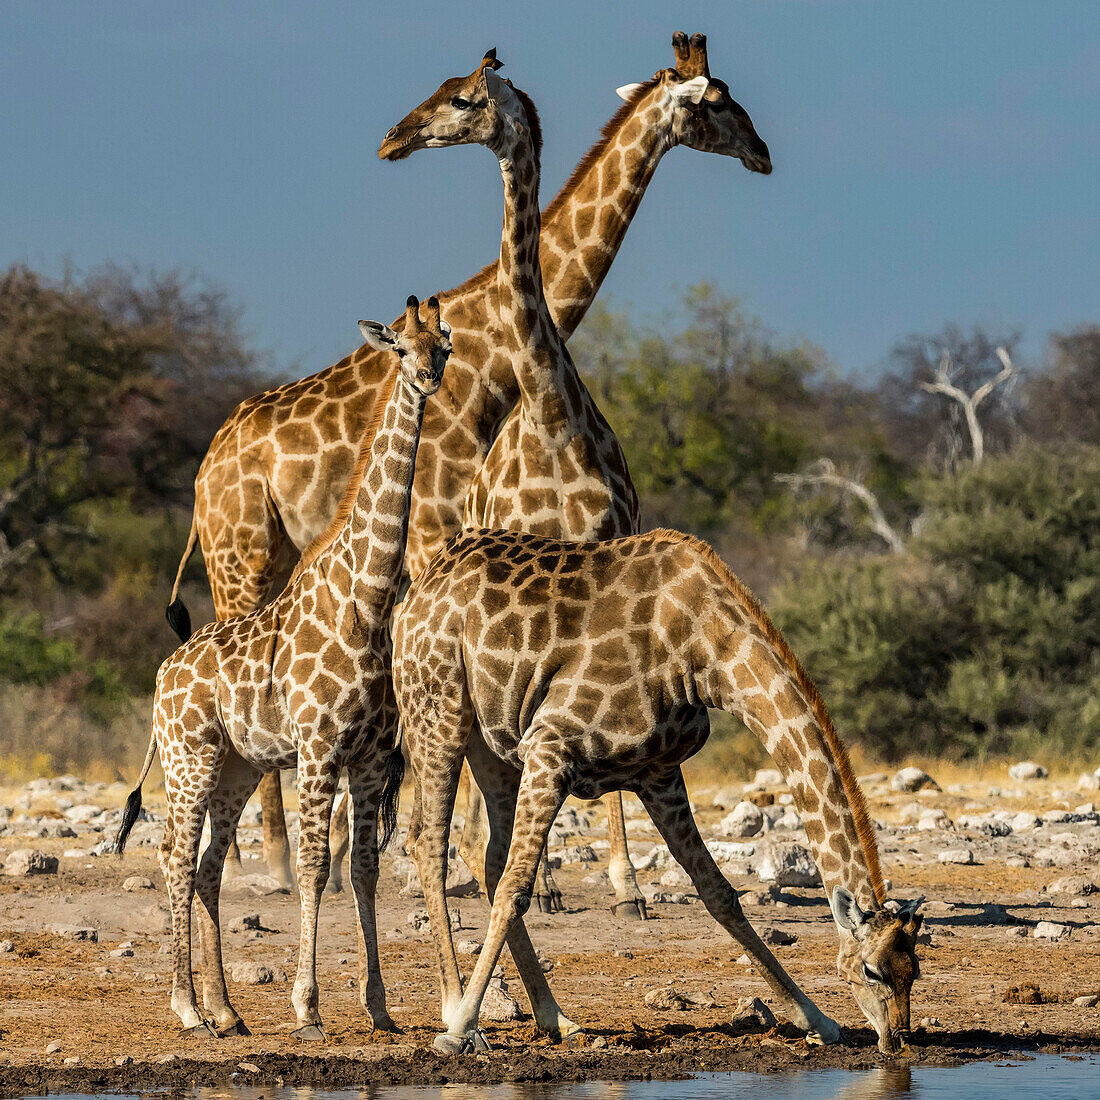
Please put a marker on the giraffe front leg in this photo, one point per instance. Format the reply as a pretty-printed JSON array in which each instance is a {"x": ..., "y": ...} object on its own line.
[
  {"x": 629, "y": 901},
  {"x": 364, "y": 789},
  {"x": 339, "y": 840},
  {"x": 317, "y": 778},
  {"x": 666, "y": 800},
  {"x": 237, "y": 782},
  {"x": 502, "y": 782},
  {"x": 542, "y": 790}
]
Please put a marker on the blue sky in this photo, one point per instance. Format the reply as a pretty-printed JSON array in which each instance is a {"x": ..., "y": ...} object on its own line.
[{"x": 934, "y": 161}]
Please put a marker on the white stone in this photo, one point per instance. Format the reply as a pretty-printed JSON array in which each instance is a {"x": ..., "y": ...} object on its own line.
[
  {"x": 1089, "y": 782},
  {"x": 910, "y": 813},
  {"x": 254, "y": 973},
  {"x": 768, "y": 778},
  {"x": 962, "y": 856},
  {"x": 1027, "y": 769},
  {"x": 74, "y": 932},
  {"x": 726, "y": 850},
  {"x": 498, "y": 1007},
  {"x": 725, "y": 798},
  {"x": 81, "y": 815},
  {"x": 913, "y": 779},
  {"x": 789, "y": 820},
  {"x": 744, "y": 820},
  {"x": 932, "y": 818},
  {"x": 1050, "y": 930},
  {"x": 257, "y": 884},
  {"x": 676, "y": 876},
  {"x": 137, "y": 882},
  {"x": 1024, "y": 821},
  {"x": 29, "y": 861},
  {"x": 788, "y": 864}
]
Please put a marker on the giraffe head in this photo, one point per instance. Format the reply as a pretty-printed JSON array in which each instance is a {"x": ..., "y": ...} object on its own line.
[
  {"x": 698, "y": 111},
  {"x": 466, "y": 110},
  {"x": 878, "y": 959},
  {"x": 421, "y": 347}
]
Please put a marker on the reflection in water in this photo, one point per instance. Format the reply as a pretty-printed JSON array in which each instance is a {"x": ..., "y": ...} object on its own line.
[{"x": 1049, "y": 1076}]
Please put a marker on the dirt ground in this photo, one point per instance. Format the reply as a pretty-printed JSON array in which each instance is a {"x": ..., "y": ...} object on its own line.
[{"x": 110, "y": 1018}]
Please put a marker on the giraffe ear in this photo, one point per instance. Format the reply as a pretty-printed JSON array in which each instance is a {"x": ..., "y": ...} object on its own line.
[
  {"x": 492, "y": 82},
  {"x": 380, "y": 337},
  {"x": 846, "y": 911},
  {"x": 691, "y": 90},
  {"x": 627, "y": 90},
  {"x": 445, "y": 328}
]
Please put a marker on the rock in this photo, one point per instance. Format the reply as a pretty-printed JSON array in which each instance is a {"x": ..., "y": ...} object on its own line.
[
  {"x": 468, "y": 947},
  {"x": 910, "y": 813},
  {"x": 136, "y": 882},
  {"x": 676, "y": 876},
  {"x": 766, "y": 779},
  {"x": 776, "y": 937},
  {"x": 248, "y": 1067},
  {"x": 931, "y": 818},
  {"x": 1058, "y": 817},
  {"x": 6, "y": 946},
  {"x": 154, "y": 920},
  {"x": 29, "y": 861},
  {"x": 753, "y": 1010},
  {"x": 248, "y": 922},
  {"x": 1024, "y": 822},
  {"x": 658, "y": 858},
  {"x": 990, "y": 826},
  {"x": 726, "y": 850},
  {"x": 913, "y": 779},
  {"x": 789, "y": 821},
  {"x": 662, "y": 897},
  {"x": 726, "y": 798},
  {"x": 81, "y": 815},
  {"x": 122, "y": 953},
  {"x": 1027, "y": 769},
  {"x": 257, "y": 884},
  {"x": 788, "y": 864},
  {"x": 73, "y": 932},
  {"x": 1050, "y": 930},
  {"x": 53, "y": 1048},
  {"x": 1073, "y": 885},
  {"x": 418, "y": 919},
  {"x": 744, "y": 820},
  {"x": 579, "y": 853},
  {"x": 251, "y": 973},
  {"x": 498, "y": 1007},
  {"x": 962, "y": 856},
  {"x": 1089, "y": 782},
  {"x": 668, "y": 999},
  {"x": 1089, "y": 1000}
]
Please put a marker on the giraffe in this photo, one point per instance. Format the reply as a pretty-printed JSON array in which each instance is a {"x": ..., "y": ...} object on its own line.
[
  {"x": 556, "y": 468},
  {"x": 578, "y": 661},
  {"x": 273, "y": 473},
  {"x": 304, "y": 679}
]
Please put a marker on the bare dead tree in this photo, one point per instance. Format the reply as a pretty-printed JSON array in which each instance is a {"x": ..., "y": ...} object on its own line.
[
  {"x": 941, "y": 383},
  {"x": 824, "y": 472}
]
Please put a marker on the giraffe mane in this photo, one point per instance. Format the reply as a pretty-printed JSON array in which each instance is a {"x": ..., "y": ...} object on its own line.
[
  {"x": 607, "y": 135},
  {"x": 865, "y": 828},
  {"x": 351, "y": 492}
]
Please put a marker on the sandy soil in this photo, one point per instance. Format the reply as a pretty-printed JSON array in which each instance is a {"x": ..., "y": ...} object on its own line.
[{"x": 111, "y": 1017}]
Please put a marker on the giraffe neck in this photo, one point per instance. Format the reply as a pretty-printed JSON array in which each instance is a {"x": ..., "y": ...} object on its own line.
[
  {"x": 585, "y": 224},
  {"x": 539, "y": 358},
  {"x": 759, "y": 680},
  {"x": 372, "y": 542}
]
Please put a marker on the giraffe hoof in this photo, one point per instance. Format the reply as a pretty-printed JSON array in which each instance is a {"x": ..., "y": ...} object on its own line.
[
  {"x": 454, "y": 1044},
  {"x": 545, "y": 903},
  {"x": 826, "y": 1035},
  {"x": 633, "y": 909},
  {"x": 481, "y": 1044},
  {"x": 311, "y": 1033},
  {"x": 199, "y": 1031},
  {"x": 237, "y": 1028},
  {"x": 382, "y": 1021}
]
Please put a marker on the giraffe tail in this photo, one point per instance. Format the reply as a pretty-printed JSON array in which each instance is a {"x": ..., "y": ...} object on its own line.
[
  {"x": 133, "y": 803},
  {"x": 391, "y": 794},
  {"x": 179, "y": 618}
]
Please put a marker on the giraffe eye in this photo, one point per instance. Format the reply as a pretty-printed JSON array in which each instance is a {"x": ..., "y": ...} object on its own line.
[
  {"x": 870, "y": 974},
  {"x": 400, "y": 353},
  {"x": 460, "y": 104}
]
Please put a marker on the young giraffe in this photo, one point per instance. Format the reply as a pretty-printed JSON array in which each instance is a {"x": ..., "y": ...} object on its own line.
[
  {"x": 273, "y": 474},
  {"x": 579, "y": 661},
  {"x": 305, "y": 679},
  {"x": 556, "y": 468}
]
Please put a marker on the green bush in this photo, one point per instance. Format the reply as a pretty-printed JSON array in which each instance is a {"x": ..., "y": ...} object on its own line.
[{"x": 982, "y": 638}]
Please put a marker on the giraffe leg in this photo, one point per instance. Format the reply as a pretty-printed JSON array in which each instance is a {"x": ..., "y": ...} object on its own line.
[
  {"x": 236, "y": 783},
  {"x": 338, "y": 842},
  {"x": 429, "y": 842},
  {"x": 629, "y": 900},
  {"x": 475, "y": 834},
  {"x": 548, "y": 897},
  {"x": 666, "y": 800},
  {"x": 187, "y": 796},
  {"x": 502, "y": 781},
  {"x": 276, "y": 842},
  {"x": 542, "y": 790},
  {"x": 316, "y": 791},
  {"x": 364, "y": 788}
]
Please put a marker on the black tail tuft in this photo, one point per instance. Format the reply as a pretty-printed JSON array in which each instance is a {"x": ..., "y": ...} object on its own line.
[
  {"x": 129, "y": 816},
  {"x": 179, "y": 618},
  {"x": 391, "y": 795}
]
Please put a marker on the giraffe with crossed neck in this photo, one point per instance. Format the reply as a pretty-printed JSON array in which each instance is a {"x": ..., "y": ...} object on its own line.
[
  {"x": 558, "y": 668},
  {"x": 273, "y": 474},
  {"x": 304, "y": 680},
  {"x": 556, "y": 468}
]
